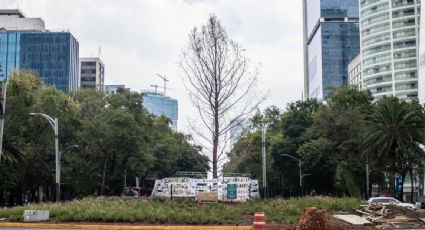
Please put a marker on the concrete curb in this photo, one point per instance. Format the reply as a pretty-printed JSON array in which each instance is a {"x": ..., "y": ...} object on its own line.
[{"x": 117, "y": 227}]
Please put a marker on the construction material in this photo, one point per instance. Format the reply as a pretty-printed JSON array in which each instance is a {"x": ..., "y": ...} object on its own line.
[
  {"x": 390, "y": 216},
  {"x": 353, "y": 219}
]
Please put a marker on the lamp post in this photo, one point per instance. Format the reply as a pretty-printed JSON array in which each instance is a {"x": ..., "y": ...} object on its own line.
[
  {"x": 301, "y": 175},
  {"x": 264, "y": 159},
  {"x": 55, "y": 125}
]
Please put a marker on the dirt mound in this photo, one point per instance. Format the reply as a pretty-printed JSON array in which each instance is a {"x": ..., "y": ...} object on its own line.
[{"x": 313, "y": 219}]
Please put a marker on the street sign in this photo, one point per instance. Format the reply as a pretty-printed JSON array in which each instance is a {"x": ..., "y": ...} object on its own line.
[{"x": 232, "y": 192}]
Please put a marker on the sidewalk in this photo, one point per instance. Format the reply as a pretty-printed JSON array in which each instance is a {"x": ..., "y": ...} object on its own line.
[{"x": 114, "y": 227}]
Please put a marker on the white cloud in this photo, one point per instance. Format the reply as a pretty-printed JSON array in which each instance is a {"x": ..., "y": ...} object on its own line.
[{"x": 142, "y": 37}]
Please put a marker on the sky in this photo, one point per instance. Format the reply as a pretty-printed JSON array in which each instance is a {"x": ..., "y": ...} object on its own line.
[{"x": 140, "y": 38}]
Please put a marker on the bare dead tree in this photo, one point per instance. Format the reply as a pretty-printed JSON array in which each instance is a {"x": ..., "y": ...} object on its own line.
[{"x": 220, "y": 84}]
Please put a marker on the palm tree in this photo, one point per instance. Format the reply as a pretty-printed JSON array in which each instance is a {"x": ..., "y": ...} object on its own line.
[{"x": 394, "y": 131}]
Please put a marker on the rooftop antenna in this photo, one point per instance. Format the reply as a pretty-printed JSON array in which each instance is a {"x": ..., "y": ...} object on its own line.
[
  {"x": 165, "y": 82},
  {"x": 99, "y": 51}
]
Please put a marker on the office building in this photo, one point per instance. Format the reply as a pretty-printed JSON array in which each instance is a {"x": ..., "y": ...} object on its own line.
[
  {"x": 237, "y": 131},
  {"x": 331, "y": 42},
  {"x": 389, "y": 47},
  {"x": 92, "y": 73},
  {"x": 114, "y": 89},
  {"x": 15, "y": 20},
  {"x": 160, "y": 105},
  {"x": 355, "y": 73},
  {"x": 421, "y": 80},
  {"x": 12, "y": 24},
  {"x": 53, "y": 56}
]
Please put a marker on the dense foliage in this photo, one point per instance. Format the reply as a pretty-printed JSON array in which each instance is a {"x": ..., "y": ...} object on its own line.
[
  {"x": 118, "y": 141},
  {"x": 334, "y": 139}
]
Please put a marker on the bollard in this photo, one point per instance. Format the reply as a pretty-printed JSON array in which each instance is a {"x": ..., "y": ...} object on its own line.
[{"x": 259, "y": 221}]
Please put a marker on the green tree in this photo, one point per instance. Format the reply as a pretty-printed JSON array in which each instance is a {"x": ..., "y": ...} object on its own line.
[
  {"x": 394, "y": 132},
  {"x": 333, "y": 151}
]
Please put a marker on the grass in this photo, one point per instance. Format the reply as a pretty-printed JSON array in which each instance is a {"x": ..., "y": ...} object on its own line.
[{"x": 159, "y": 211}]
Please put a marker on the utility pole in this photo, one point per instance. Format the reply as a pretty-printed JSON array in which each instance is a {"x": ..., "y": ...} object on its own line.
[
  {"x": 2, "y": 108},
  {"x": 165, "y": 82},
  {"x": 367, "y": 178}
]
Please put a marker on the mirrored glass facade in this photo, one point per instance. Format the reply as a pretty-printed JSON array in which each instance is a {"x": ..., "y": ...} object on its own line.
[
  {"x": 53, "y": 56},
  {"x": 389, "y": 47},
  {"x": 333, "y": 41},
  {"x": 161, "y": 105},
  {"x": 9, "y": 52}
]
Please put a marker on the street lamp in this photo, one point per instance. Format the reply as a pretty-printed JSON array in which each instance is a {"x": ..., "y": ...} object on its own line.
[
  {"x": 66, "y": 150},
  {"x": 299, "y": 162},
  {"x": 264, "y": 162},
  {"x": 55, "y": 125}
]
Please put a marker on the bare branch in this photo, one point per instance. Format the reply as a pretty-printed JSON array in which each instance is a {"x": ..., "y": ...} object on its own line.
[{"x": 220, "y": 85}]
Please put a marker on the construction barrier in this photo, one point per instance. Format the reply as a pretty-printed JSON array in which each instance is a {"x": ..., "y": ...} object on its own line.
[{"x": 259, "y": 221}]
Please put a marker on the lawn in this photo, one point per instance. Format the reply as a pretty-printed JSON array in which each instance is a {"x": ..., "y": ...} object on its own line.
[{"x": 157, "y": 211}]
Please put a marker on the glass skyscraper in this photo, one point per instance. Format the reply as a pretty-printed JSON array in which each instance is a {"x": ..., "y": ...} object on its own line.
[
  {"x": 53, "y": 56},
  {"x": 161, "y": 105},
  {"x": 331, "y": 41},
  {"x": 9, "y": 52}
]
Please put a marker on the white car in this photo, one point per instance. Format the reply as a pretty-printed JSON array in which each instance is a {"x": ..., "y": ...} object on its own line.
[{"x": 391, "y": 201}]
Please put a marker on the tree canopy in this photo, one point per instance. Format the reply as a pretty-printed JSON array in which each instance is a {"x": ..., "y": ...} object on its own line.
[{"x": 118, "y": 141}]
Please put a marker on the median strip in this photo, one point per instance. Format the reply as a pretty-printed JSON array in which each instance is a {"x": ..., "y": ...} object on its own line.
[{"x": 113, "y": 227}]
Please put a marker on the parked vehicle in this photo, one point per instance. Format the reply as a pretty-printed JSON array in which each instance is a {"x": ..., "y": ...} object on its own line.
[{"x": 391, "y": 201}]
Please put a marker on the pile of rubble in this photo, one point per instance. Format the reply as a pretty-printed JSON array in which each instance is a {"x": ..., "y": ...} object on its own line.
[
  {"x": 314, "y": 218},
  {"x": 386, "y": 217}
]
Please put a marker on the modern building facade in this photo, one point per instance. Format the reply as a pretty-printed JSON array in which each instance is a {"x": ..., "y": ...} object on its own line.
[
  {"x": 160, "y": 105},
  {"x": 15, "y": 20},
  {"x": 389, "y": 47},
  {"x": 114, "y": 89},
  {"x": 421, "y": 80},
  {"x": 355, "y": 73},
  {"x": 237, "y": 131},
  {"x": 12, "y": 24},
  {"x": 53, "y": 56},
  {"x": 92, "y": 73},
  {"x": 331, "y": 42}
]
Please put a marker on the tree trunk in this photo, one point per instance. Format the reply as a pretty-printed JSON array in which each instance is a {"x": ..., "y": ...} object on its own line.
[
  {"x": 102, "y": 189},
  {"x": 401, "y": 195},
  {"x": 391, "y": 190},
  {"x": 215, "y": 156}
]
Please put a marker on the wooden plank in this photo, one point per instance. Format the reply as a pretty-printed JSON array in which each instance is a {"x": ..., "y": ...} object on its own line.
[{"x": 353, "y": 219}]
